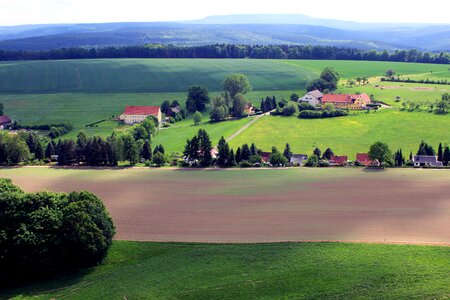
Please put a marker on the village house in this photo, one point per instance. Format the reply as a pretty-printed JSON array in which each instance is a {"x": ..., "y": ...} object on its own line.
[
  {"x": 364, "y": 159},
  {"x": 314, "y": 98},
  {"x": 426, "y": 161},
  {"x": 338, "y": 160},
  {"x": 265, "y": 156},
  {"x": 4, "y": 121},
  {"x": 137, "y": 114},
  {"x": 249, "y": 109},
  {"x": 298, "y": 159},
  {"x": 344, "y": 101}
]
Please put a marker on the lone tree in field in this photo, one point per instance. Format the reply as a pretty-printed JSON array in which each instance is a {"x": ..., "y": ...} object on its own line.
[
  {"x": 380, "y": 151},
  {"x": 390, "y": 73},
  {"x": 197, "y": 118},
  {"x": 236, "y": 84},
  {"x": 197, "y": 98}
]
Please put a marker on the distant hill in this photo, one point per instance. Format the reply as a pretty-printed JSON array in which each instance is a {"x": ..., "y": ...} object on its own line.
[{"x": 239, "y": 29}]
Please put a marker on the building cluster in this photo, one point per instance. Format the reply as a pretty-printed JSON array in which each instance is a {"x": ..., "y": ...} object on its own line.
[{"x": 340, "y": 101}]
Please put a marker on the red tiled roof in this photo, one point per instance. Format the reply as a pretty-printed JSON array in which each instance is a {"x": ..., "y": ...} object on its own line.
[
  {"x": 141, "y": 110},
  {"x": 4, "y": 120},
  {"x": 337, "y": 98},
  {"x": 363, "y": 158},
  {"x": 340, "y": 160}
]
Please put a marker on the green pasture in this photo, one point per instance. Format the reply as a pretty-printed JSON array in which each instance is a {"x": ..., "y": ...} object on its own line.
[
  {"x": 349, "y": 135},
  {"x": 135, "y": 270},
  {"x": 388, "y": 91},
  {"x": 352, "y": 69},
  {"x": 174, "y": 138}
]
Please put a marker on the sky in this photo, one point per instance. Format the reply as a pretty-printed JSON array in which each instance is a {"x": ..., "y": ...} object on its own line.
[{"x": 16, "y": 12}]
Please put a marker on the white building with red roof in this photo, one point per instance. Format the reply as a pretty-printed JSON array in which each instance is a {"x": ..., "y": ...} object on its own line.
[
  {"x": 137, "y": 114},
  {"x": 350, "y": 101}
]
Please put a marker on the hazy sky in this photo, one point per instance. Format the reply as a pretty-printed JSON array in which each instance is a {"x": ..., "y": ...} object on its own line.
[{"x": 13, "y": 12}]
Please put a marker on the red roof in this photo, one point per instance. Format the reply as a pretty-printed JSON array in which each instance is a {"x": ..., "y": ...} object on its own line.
[
  {"x": 337, "y": 98},
  {"x": 5, "y": 120},
  {"x": 141, "y": 110},
  {"x": 340, "y": 160},
  {"x": 363, "y": 158}
]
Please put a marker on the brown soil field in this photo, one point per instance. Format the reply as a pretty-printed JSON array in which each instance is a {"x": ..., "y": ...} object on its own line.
[{"x": 392, "y": 206}]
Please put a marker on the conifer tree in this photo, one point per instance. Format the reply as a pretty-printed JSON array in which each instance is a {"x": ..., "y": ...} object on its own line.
[{"x": 440, "y": 153}]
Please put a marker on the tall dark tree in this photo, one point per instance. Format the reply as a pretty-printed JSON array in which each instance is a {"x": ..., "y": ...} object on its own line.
[
  {"x": 223, "y": 154},
  {"x": 231, "y": 161},
  {"x": 130, "y": 149},
  {"x": 159, "y": 148},
  {"x": 238, "y": 155},
  {"x": 146, "y": 152},
  {"x": 205, "y": 148},
  {"x": 165, "y": 107},
  {"x": 287, "y": 152},
  {"x": 1, "y": 109},
  {"x": 245, "y": 152},
  {"x": 328, "y": 154},
  {"x": 317, "y": 152},
  {"x": 253, "y": 149},
  {"x": 39, "y": 151},
  {"x": 446, "y": 156},
  {"x": 67, "y": 153},
  {"x": 440, "y": 153},
  {"x": 425, "y": 149},
  {"x": 197, "y": 98},
  {"x": 80, "y": 146}
]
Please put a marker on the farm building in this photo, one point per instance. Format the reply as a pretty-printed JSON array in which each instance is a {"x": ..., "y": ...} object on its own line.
[
  {"x": 313, "y": 97},
  {"x": 265, "y": 156},
  {"x": 249, "y": 109},
  {"x": 4, "y": 121},
  {"x": 350, "y": 101},
  {"x": 137, "y": 114},
  {"x": 364, "y": 159},
  {"x": 338, "y": 160},
  {"x": 298, "y": 159},
  {"x": 426, "y": 161}
]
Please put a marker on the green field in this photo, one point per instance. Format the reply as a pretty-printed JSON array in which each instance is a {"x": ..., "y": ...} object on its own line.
[
  {"x": 145, "y": 75},
  {"x": 255, "y": 271},
  {"x": 349, "y": 135},
  {"x": 353, "y": 69}
]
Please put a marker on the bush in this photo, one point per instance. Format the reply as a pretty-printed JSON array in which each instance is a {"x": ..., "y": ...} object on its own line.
[
  {"x": 245, "y": 164},
  {"x": 47, "y": 233},
  {"x": 305, "y": 106},
  {"x": 323, "y": 163},
  {"x": 312, "y": 161},
  {"x": 290, "y": 109},
  {"x": 255, "y": 159}
]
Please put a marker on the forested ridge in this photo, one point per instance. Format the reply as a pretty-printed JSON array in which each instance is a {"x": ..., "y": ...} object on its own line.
[{"x": 231, "y": 51}]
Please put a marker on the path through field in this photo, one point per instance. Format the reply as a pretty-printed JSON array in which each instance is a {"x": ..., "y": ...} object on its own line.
[{"x": 393, "y": 206}]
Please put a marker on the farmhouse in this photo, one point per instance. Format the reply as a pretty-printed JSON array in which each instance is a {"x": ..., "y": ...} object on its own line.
[
  {"x": 4, "y": 121},
  {"x": 137, "y": 114},
  {"x": 338, "y": 160},
  {"x": 313, "y": 97},
  {"x": 364, "y": 159},
  {"x": 426, "y": 161},
  {"x": 350, "y": 101}
]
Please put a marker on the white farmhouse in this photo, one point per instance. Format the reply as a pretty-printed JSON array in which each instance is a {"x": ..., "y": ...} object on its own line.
[
  {"x": 137, "y": 114},
  {"x": 313, "y": 97}
]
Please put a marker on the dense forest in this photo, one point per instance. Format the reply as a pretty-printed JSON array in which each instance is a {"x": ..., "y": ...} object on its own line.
[{"x": 231, "y": 51}]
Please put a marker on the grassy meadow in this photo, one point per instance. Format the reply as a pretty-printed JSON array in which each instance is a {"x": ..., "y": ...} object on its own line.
[
  {"x": 255, "y": 271},
  {"x": 349, "y": 135}
]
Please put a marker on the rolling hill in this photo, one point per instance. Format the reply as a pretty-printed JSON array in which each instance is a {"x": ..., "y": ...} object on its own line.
[{"x": 237, "y": 29}]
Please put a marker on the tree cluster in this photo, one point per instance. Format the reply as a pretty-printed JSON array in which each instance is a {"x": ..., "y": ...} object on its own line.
[
  {"x": 268, "y": 104},
  {"x": 232, "y": 51},
  {"x": 46, "y": 233},
  {"x": 327, "y": 82}
]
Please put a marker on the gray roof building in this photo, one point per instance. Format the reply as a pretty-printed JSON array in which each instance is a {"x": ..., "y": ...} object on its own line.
[{"x": 426, "y": 161}]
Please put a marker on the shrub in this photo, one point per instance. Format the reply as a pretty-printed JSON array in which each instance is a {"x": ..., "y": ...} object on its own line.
[
  {"x": 245, "y": 164},
  {"x": 255, "y": 159},
  {"x": 323, "y": 163},
  {"x": 305, "y": 106},
  {"x": 47, "y": 233},
  {"x": 312, "y": 161}
]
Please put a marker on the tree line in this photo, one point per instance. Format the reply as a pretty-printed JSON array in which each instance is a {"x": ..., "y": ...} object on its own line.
[{"x": 231, "y": 51}]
